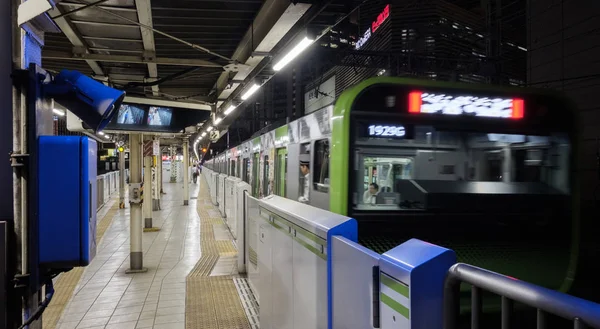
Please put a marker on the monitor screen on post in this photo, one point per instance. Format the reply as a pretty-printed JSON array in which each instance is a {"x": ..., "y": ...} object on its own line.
[
  {"x": 159, "y": 116},
  {"x": 130, "y": 114}
]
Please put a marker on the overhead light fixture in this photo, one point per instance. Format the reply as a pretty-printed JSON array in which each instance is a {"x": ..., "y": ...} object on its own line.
[
  {"x": 209, "y": 129},
  {"x": 58, "y": 112},
  {"x": 100, "y": 133},
  {"x": 229, "y": 109},
  {"x": 299, "y": 48},
  {"x": 250, "y": 91},
  {"x": 217, "y": 120},
  {"x": 203, "y": 134},
  {"x": 107, "y": 137}
]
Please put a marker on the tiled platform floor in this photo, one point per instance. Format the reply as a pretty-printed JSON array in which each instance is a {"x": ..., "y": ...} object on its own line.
[{"x": 108, "y": 298}]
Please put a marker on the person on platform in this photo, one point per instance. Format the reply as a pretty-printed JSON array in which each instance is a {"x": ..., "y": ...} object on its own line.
[{"x": 305, "y": 170}]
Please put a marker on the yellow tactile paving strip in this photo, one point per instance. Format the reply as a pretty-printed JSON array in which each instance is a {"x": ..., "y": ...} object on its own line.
[
  {"x": 66, "y": 282},
  {"x": 212, "y": 301}
]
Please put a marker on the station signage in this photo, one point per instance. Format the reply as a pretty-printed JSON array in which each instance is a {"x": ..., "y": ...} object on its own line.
[
  {"x": 382, "y": 17},
  {"x": 491, "y": 107}
]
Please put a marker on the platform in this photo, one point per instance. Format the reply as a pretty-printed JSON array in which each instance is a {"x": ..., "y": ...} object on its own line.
[{"x": 191, "y": 280}]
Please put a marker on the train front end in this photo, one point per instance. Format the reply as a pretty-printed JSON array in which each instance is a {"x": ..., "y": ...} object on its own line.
[{"x": 483, "y": 170}]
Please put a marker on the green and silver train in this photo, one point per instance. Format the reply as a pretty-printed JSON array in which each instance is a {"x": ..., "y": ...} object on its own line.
[{"x": 482, "y": 169}]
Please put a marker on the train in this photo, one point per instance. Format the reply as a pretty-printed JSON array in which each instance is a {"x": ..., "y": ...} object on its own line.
[{"x": 484, "y": 170}]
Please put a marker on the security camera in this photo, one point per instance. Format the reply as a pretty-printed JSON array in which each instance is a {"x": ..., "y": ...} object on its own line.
[{"x": 94, "y": 103}]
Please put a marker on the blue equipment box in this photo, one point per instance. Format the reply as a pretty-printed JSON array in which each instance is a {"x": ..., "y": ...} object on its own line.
[{"x": 67, "y": 200}]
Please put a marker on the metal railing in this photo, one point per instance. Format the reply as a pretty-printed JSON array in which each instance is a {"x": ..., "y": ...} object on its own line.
[{"x": 583, "y": 313}]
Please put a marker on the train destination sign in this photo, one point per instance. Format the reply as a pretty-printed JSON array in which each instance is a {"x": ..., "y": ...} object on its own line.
[{"x": 491, "y": 107}]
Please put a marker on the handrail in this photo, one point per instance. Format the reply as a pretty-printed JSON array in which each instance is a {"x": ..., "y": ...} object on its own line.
[{"x": 580, "y": 311}]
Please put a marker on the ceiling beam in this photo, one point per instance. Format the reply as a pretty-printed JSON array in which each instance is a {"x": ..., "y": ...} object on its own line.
[
  {"x": 144, "y": 12},
  {"x": 166, "y": 102},
  {"x": 128, "y": 59},
  {"x": 272, "y": 23},
  {"x": 74, "y": 37}
]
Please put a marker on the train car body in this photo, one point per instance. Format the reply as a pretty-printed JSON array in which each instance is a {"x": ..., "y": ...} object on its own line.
[{"x": 484, "y": 170}]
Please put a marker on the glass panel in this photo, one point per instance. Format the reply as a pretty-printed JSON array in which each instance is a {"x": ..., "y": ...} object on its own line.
[
  {"x": 266, "y": 180},
  {"x": 437, "y": 159},
  {"x": 255, "y": 174},
  {"x": 321, "y": 167},
  {"x": 280, "y": 172}
]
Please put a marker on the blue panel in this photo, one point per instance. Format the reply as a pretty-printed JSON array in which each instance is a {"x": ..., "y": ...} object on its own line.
[
  {"x": 348, "y": 230},
  {"x": 88, "y": 200},
  {"x": 422, "y": 266},
  {"x": 67, "y": 184}
]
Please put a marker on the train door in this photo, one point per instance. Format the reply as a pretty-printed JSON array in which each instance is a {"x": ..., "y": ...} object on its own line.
[
  {"x": 319, "y": 168},
  {"x": 246, "y": 170},
  {"x": 266, "y": 177},
  {"x": 280, "y": 172},
  {"x": 255, "y": 174}
]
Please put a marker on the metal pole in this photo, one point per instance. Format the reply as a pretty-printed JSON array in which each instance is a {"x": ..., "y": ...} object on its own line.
[
  {"x": 122, "y": 180},
  {"x": 136, "y": 263},
  {"x": 148, "y": 195},
  {"x": 186, "y": 172},
  {"x": 160, "y": 171},
  {"x": 157, "y": 178}
]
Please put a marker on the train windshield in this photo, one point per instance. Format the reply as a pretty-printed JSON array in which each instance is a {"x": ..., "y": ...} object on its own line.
[{"x": 406, "y": 173}]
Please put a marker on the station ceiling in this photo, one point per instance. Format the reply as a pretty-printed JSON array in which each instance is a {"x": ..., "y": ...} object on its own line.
[{"x": 193, "y": 48}]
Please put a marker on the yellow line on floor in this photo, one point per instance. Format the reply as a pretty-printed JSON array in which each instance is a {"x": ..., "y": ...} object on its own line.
[
  {"x": 212, "y": 301},
  {"x": 65, "y": 284}
]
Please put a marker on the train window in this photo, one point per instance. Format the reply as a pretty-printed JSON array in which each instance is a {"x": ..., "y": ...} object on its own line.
[
  {"x": 321, "y": 166},
  {"x": 246, "y": 170},
  {"x": 266, "y": 176},
  {"x": 255, "y": 175},
  {"x": 396, "y": 177}
]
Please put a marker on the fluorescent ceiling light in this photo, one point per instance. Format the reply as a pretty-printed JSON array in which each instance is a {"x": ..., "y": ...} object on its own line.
[
  {"x": 203, "y": 134},
  {"x": 250, "y": 91},
  {"x": 217, "y": 120},
  {"x": 300, "y": 47},
  {"x": 106, "y": 136},
  {"x": 100, "y": 133},
  {"x": 209, "y": 128},
  {"x": 58, "y": 112},
  {"x": 229, "y": 109}
]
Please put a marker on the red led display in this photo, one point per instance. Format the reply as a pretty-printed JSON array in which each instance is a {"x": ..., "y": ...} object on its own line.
[{"x": 491, "y": 107}]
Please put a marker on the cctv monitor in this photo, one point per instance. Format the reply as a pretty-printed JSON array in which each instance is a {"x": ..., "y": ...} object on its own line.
[
  {"x": 130, "y": 114},
  {"x": 159, "y": 116}
]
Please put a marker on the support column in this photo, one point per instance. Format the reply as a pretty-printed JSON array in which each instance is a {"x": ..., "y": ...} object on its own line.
[
  {"x": 156, "y": 179},
  {"x": 136, "y": 263},
  {"x": 122, "y": 180},
  {"x": 148, "y": 197},
  {"x": 186, "y": 172},
  {"x": 160, "y": 181}
]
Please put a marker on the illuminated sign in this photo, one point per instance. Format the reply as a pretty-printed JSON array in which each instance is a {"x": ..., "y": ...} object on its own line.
[
  {"x": 491, "y": 107},
  {"x": 374, "y": 26},
  {"x": 381, "y": 18},
  {"x": 363, "y": 39},
  {"x": 386, "y": 131}
]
